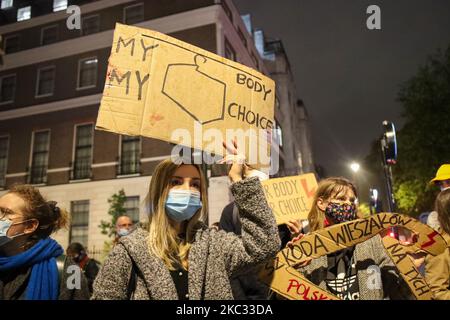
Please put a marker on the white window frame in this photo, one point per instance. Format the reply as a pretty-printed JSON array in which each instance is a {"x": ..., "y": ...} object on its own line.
[
  {"x": 8, "y": 145},
  {"x": 30, "y": 161},
  {"x": 46, "y": 28},
  {"x": 86, "y": 18},
  {"x": 38, "y": 77},
  {"x": 18, "y": 10},
  {"x": 74, "y": 141},
  {"x": 140, "y": 4},
  {"x": 8, "y": 7},
  {"x": 79, "y": 72},
  {"x": 53, "y": 10},
  {"x": 9, "y": 37},
  {"x": 14, "y": 92}
]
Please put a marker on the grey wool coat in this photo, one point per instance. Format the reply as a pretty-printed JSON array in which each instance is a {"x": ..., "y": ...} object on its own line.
[
  {"x": 366, "y": 254},
  {"x": 213, "y": 258}
]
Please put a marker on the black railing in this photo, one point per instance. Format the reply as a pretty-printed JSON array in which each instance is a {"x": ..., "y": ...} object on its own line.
[
  {"x": 37, "y": 174},
  {"x": 128, "y": 166},
  {"x": 81, "y": 169}
]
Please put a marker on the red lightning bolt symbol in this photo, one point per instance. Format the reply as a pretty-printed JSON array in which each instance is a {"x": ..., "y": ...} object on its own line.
[{"x": 431, "y": 237}]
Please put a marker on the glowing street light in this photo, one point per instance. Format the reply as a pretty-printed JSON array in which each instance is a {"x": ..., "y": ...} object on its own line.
[{"x": 355, "y": 167}]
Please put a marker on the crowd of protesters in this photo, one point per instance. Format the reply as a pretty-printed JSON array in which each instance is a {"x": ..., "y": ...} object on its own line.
[{"x": 176, "y": 256}]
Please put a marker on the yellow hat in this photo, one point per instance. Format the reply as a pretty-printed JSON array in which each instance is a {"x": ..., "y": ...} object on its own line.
[{"x": 443, "y": 173}]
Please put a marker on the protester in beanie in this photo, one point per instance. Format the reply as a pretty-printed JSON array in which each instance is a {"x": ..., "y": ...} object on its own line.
[
  {"x": 345, "y": 273},
  {"x": 178, "y": 257},
  {"x": 437, "y": 268},
  {"x": 28, "y": 256}
]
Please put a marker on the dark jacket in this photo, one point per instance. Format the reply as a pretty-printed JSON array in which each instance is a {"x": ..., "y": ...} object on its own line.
[
  {"x": 90, "y": 270},
  {"x": 13, "y": 284},
  {"x": 246, "y": 286},
  {"x": 214, "y": 257}
]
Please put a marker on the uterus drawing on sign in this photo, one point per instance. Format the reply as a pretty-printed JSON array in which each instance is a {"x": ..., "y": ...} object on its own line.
[{"x": 195, "y": 92}]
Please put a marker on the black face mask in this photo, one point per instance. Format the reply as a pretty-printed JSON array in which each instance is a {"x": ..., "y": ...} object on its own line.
[
  {"x": 8, "y": 245},
  {"x": 4, "y": 240}
]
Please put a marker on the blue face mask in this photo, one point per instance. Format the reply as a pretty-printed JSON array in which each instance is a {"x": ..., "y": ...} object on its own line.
[
  {"x": 181, "y": 205},
  {"x": 4, "y": 227},
  {"x": 123, "y": 232}
]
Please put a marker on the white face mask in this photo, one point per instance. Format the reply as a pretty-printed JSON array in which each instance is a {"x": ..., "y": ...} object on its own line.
[
  {"x": 123, "y": 232},
  {"x": 6, "y": 224},
  {"x": 444, "y": 188}
]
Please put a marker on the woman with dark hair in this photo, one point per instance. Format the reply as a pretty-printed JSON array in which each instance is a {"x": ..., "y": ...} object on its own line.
[
  {"x": 28, "y": 256},
  {"x": 437, "y": 268}
]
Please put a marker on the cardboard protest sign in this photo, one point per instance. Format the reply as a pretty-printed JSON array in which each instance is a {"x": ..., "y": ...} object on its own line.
[
  {"x": 277, "y": 273},
  {"x": 412, "y": 276},
  {"x": 290, "y": 197},
  {"x": 294, "y": 286},
  {"x": 163, "y": 88}
]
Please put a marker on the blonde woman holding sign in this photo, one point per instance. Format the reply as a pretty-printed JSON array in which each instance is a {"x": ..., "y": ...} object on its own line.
[
  {"x": 362, "y": 272},
  {"x": 178, "y": 257}
]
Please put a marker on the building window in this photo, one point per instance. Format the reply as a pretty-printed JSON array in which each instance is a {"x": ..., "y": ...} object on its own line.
[
  {"x": 24, "y": 13},
  {"x": 227, "y": 10},
  {"x": 130, "y": 155},
  {"x": 12, "y": 44},
  {"x": 79, "y": 227},
  {"x": 7, "y": 4},
  {"x": 131, "y": 207},
  {"x": 7, "y": 88},
  {"x": 242, "y": 36},
  {"x": 90, "y": 25},
  {"x": 255, "y": 61},
  {"x": 39, "y": 159},
  {"x": 87, "y": 73},
  {"x": 4, "y": 144},
  {"x": 229, "y": 51},
  {"x": 133, "y": 14},
  {"x": 59, "y": 5},
  {"x": 277, "y": 134},
  {"x": 45, "y": 82},
  {"x": 49, "y": 35},
  {"x": 83, "y": 152}
]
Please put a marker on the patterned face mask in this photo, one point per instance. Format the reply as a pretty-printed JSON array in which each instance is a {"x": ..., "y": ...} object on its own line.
[{"x": 340, "y": 212}]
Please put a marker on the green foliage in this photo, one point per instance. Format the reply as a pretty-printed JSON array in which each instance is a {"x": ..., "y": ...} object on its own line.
[
  {"x": 364, "y": 210},
  {"x": 424, "y": 140},
  {"x": 116, "y": 209}
]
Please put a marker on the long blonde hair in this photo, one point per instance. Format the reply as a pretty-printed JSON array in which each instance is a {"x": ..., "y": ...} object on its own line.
[
  {"x": 163, "y": 240},
  {"x": 327, "y": 188}
]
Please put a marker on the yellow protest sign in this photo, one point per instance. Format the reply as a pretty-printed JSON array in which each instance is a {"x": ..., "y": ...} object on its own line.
[
  {"x": 280, "y": 274},
  {"x": 290, "y": 197},
  {"x": 160, "y": 87}
]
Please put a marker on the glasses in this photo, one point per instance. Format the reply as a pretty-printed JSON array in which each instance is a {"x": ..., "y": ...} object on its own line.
[{"x": 5, "y": 212}]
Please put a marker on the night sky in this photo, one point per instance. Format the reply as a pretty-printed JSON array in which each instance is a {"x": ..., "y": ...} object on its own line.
[{"x": 349, "y": 76}]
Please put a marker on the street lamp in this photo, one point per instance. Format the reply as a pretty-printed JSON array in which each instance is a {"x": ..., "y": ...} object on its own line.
[{"x": 355, "y": 167}]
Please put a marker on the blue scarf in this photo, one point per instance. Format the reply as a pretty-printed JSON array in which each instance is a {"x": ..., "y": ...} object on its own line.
[{"x": 43, "y": 283}]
